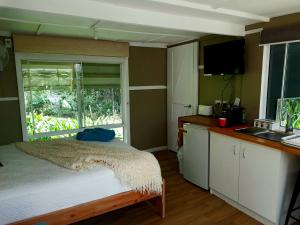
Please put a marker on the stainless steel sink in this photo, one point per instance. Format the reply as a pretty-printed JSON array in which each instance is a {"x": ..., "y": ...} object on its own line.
[
  {"x": 263, "y": 133},
  {"x": 272, "y": 135}
]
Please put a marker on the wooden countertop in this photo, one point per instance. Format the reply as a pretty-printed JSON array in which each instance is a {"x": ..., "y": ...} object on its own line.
[
  {"x": 272, "y": 144},
  {"x": 207, "y": 121},
  {"x": 212, "y": 123}
]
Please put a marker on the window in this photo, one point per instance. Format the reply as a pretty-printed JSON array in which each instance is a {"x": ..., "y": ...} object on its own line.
[
  {"x": 62, "y": 98},
  {"x": 283, "y": 83}
]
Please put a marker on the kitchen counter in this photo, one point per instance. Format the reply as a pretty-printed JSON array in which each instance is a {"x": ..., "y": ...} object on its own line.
[
  {"x": 257, "y": 140},
  {"x": 212, "y": 123},
  {"x": 207, "y": 121}
]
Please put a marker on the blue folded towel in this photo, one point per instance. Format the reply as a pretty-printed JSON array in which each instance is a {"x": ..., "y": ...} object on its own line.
[{"x": 96, "y": 134}]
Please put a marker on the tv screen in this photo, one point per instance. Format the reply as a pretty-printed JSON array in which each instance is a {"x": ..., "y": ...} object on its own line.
[{"x": 225, "y": 58}]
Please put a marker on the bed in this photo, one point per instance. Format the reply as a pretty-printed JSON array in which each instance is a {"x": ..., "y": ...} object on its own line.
[{"x": 33, "y": 190}]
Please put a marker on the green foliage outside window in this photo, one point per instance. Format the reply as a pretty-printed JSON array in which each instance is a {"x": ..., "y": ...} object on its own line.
[
  {"x": 69, "y": 96},
  {"x": 57, "y": 110},
  {"x": 290, "y": 112}
]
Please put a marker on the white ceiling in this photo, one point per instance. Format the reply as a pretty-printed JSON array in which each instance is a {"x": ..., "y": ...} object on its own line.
[
  {"x": 268, "y": 8},
  {"x": 150, "y": 21}
]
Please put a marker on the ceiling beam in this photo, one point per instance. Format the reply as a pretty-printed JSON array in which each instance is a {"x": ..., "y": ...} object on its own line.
[
  {"x": 94, "y": 28},
  {"x": 145, "y": 33},
  {"x": 42, "y": 23},
  {"x": 115, "y": 13},
  {"x": 213, "y": 9}
]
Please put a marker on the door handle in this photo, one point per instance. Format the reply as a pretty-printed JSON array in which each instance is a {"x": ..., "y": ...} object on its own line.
[
  {"x": 234, "y": 150},
  {"x": 188, "y": 106}
]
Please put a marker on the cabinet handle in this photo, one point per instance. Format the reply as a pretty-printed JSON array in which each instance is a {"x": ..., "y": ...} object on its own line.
[
  {"x": 244, "y": 153},
  {"x": 234, "y": 150}
]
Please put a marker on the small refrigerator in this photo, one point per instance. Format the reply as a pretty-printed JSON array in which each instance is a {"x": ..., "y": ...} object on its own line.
[{"x": 196, "y": 155}]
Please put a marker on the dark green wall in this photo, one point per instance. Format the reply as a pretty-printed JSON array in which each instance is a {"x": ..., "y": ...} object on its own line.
[
  {"x": 246, "y": 86},
  {"x": 210, "y": 88},
  {"x": 148, "y": 108},
  {"x": 10, "y": 123}
]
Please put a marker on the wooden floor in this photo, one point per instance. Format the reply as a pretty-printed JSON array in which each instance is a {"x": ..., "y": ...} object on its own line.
[{"x": 186, "y": 204}]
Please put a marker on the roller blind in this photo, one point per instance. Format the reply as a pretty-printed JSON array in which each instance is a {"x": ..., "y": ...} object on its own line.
[
  {"x": 71, "y": 46},
  {"x": 280, "y": 34}
]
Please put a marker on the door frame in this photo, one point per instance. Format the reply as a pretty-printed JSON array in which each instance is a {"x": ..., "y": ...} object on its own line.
[{"x": 123, "y": 61}]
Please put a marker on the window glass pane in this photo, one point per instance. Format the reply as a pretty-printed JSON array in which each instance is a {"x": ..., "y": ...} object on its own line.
[
  {"x": 101, "y": 94},
  {"x": 276, "y": 65},
  {"x": 292, "y": 84},
  {"x": 292, "y": 81},
  {"x": 50, "y": 96},
  {"x": 62, "y": 96}
]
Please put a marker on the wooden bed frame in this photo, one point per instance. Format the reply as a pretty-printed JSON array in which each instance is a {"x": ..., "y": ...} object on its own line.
[{"x": 98, "y": 207}]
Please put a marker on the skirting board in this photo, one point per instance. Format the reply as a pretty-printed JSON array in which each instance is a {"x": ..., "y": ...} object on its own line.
[
  {"x": 156, "y": 149},
  {"x": 241, "y": 208}
]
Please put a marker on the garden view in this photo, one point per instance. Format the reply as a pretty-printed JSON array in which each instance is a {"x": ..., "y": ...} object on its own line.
[{"x": 57, "y": 99}]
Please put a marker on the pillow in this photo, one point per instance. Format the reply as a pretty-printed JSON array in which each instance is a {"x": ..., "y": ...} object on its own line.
[{"x": 96, "y": 134}]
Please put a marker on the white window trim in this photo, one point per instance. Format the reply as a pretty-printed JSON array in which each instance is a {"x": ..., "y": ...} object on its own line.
[
  {"x": 143, "y": 88},
  {"x": 264, "y": 82},
  {"x": 123, "y": 61}
]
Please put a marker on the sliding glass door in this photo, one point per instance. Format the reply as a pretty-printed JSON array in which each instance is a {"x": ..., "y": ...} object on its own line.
[{"x": 60, "y": 97}]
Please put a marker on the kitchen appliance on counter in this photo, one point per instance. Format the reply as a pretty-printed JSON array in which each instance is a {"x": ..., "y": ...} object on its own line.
[
  {"x": 205, "y": 110},
  {"x": 237, "y": 115},
  {"x": 229, "y": 115},
  {"x": 267, "y": 124},
  {"x": 196, "y": 154}
]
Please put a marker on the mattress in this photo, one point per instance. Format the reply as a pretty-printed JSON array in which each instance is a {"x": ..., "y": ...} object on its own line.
[{"x": 31, "y": 186}]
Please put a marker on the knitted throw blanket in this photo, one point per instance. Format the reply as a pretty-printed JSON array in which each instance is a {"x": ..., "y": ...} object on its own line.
[{"x": 137, "y": 169}]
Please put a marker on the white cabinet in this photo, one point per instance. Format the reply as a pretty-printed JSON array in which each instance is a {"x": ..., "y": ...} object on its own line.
[
  {"x": 255, "y": 177},
  {"x": 224, "y": 165},
  {"x": 259, "y": 179}
]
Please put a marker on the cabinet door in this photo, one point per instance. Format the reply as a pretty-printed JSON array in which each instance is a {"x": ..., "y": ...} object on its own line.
[
  {"x": 224, "y": 165},
  {"x": 195, "y": 155},
  {"x": 259, "y": 179}
]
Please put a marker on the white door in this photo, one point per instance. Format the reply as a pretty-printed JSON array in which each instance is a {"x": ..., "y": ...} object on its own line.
[
  {"x": 259, "y": 179},
  {"x": 195, "y": 155},
  {"x": 224, "y": 165},
  {"x": 182, "y": 86}
]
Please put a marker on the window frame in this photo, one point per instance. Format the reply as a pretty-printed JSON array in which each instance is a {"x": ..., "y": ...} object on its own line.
[
  {"x": 123, "y": 61},
  {"x": 265, "y": 78}
]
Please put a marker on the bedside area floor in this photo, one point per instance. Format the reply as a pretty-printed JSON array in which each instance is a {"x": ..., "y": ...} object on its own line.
[{"x": 186, "y": 204}]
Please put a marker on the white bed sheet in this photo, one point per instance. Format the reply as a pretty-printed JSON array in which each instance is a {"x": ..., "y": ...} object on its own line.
[{"x": 30, "y": 186}]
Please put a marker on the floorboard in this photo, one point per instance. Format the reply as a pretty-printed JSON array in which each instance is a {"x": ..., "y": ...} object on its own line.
[{"x": 186, "y": 204}]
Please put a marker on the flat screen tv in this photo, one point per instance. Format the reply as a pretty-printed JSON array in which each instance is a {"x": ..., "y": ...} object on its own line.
[{"x": 225, "y": 58}]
